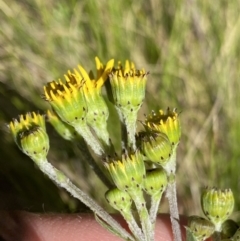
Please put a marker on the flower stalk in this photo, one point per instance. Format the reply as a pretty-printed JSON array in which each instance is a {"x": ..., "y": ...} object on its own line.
[{"x": 167, "y": 124}]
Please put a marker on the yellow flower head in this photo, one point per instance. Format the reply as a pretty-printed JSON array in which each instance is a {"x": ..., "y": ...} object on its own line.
[
  {"x": 26, "y": 122},
  {"x": 167, "y": 123},
  {"x": 29, "y": 133},
  {"x": 67, "y": 98},
  {"x": 128, "y": 86},
  {"x": 97, "y": 109},
  {"x": 93, "y": 85},
  {"x": 128, "y": 173}
]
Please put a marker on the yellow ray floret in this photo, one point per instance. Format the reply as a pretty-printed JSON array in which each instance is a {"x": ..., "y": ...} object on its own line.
[
  {"x": 26, "y": 122},
  {"x": 57, "y": 90},
  {"x": 167, "y": 123},
  {"x": 102, "y": 74}
]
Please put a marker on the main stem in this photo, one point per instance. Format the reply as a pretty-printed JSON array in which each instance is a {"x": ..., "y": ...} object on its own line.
[
  {"x": 171, "y": 194},
  {"x": 61, "y": 180},
  {"x": 174, "y": 215}
]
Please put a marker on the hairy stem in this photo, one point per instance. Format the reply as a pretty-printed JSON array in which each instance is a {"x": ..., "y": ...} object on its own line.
[
  {"x": 174, "y": 215},
  {"x": 133, "y": 226},
  {"x": 155, "y": 200},
  {"x": 131, "y": 130},
  {"x": 83, "y": 130},
  {"x": 171, "y": 194},
  {"x": 140, "y": 204}
]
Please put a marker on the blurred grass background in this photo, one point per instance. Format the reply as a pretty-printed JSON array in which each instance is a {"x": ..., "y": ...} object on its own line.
[{"x": 190, "y": 47}]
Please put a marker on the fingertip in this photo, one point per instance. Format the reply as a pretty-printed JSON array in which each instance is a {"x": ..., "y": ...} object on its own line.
[{"x": 75, "y": 227}]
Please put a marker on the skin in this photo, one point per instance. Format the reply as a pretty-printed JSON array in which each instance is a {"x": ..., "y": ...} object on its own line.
[{"x": 24, "y": 226}]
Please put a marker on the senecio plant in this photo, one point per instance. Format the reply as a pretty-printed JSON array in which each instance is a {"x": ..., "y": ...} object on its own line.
[{"x": 146, "y": 166}]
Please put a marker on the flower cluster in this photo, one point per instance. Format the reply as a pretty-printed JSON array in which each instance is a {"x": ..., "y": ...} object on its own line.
[{"x": 146, "y": 166}]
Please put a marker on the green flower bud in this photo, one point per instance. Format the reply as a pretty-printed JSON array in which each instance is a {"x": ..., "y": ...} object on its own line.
[
  {"x": 167, "y": 123},
  {"x": 229, "y": 228},
  {"x": 199, "y": 229},
  {"x": 67, "y": 99},
  {"x": 30, "y": 135},
  {"x": 217, "y": 205},
  {"x": 34, "y": 143},
  {"x": 119, "y": 200},
  {"x": 66, "y": 131},
  {"x": 128, "y": 173},
  {"x": 155, "y": 181},
  {"x": 128, "y": 88},
  {"x": 156, "y": 146}
]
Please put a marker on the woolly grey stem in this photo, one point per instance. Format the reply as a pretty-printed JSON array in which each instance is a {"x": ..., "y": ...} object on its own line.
[
  {"x": 133, "y": 226},
  {"x": 128, "y": 128},
  {"x": 174, "y": 215},
  {"x": 171, "y": 194},
  {"x": 83, "y": 130},
  {"x": 155, "y": 200},
  {"x": 131, "y": 130},
  {"x": 140, "y": 204},
  {"x": 61, "y": 180}
]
